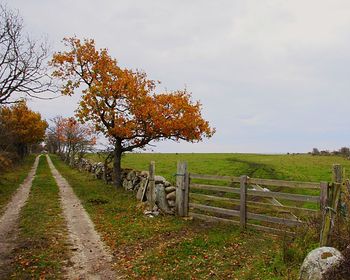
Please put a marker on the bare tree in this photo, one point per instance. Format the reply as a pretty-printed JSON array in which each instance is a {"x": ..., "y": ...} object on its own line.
[{"x": 23, "y": 66}]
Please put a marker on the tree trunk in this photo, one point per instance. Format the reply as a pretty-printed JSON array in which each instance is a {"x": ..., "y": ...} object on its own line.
[
  {"x": 21, "y": 150},
  {"x": 105, "y": 166},
  {"x": 117, "y": 174}
]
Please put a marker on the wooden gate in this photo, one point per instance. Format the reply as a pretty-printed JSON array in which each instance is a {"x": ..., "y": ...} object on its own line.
[{"x": 262, "y": 204}]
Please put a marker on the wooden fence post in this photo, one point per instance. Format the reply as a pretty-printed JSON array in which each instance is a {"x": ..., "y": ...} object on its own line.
[
  {"x": 338, "y": 179},
  {"x": 332, "y": 205},
  {"x": 243, "y": 201},
  {"x": 186, "y": 192},
  {"x": 182, "y": 192},
  {"x": 151, "y": 184},
  {"x": 323, "y": 195}
]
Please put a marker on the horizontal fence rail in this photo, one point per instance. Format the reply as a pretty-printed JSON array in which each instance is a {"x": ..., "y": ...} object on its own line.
[
  {"x": 215, "y": 177},
  {"x": 288, "y": 196},
  {"x": 281, "y": 183},
  {"x": 217, "y": 210},
  {"x": 280, "y": 208},
  {"x": 214, "y": 188},
  {"x": 258, "y": 181},
  {"x": 235, "y": 222},
  {"x": 251, "y": 205}
]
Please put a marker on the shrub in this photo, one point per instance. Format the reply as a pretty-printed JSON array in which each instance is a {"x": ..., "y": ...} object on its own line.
[{"x": 5, "y": 161}]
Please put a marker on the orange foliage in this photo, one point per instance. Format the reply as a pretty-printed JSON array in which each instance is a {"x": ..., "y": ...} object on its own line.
[
  {"x": 70, "y": 131},
  {"x": 121, "y": 103},
  {"x": 25, "y": 126},
  {"x": 70, "y": 137}
]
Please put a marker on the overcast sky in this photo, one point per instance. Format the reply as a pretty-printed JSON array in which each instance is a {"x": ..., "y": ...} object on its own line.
[{"x": 273, "y": 75}]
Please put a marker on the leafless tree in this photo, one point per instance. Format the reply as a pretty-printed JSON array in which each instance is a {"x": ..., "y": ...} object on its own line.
[{"x": 23, "y": 66}]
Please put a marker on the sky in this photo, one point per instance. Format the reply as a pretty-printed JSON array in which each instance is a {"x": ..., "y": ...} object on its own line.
[{"x": 272, "y": 76}]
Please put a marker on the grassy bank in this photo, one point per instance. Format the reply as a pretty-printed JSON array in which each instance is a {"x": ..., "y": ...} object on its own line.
[
  {"x": 173, "y": 248},
  {"x": 10, "y": 180},
  {"x": 43, "y": 250},
  {"x": 302, "y": 167}
]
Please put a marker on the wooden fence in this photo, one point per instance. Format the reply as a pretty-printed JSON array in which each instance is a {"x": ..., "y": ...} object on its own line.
[{"x": 248, "y": 202}]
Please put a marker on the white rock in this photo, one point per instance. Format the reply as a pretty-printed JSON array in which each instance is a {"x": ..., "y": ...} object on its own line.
[
  {"x": 155, "y": 213},
  {"x": 318, "y": 261},
  {"x": 159, "y": 179}
]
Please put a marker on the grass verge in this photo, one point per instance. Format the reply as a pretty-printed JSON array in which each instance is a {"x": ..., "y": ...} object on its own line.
[
  {"x": 42, "y": 247},
  {"x": 167, "y": 247},
  {"x": 11, "y": 180}
]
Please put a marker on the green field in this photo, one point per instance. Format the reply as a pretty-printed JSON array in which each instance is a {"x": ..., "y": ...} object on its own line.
[
  {"x": 301, "y": 167},
  {"x": 297, "y": 167}
]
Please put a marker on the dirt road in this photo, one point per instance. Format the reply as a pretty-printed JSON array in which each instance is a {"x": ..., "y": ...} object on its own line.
[
  {"x": 9, "y": 220},
  {"x": 91, "y": 260}
]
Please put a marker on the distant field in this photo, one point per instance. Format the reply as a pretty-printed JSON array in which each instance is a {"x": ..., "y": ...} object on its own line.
[{"x": 301, "y": 167}]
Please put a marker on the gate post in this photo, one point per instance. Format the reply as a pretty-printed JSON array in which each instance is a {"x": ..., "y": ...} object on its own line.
[
  {"x": 243, "y": 201},
  {"x": 332, "y": 206},
  {"x": 324, "y": 193},
  {"x": 182, "y": 192},
  {"x": 151, "y": 184}
]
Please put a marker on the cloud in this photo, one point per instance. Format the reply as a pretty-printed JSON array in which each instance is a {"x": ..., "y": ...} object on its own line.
[{"x": 271, "y": 75}]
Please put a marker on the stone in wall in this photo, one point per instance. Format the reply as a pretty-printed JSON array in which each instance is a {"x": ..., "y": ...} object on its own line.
[
  {"x": 161, "y": 200},
  {"x": 99, "y": 169},
  {"x": 171, "y": 203},
  {"x": 159, "y": 179},
  {"x": 141, "y": 188},
  {"x": 169, "y": 189},
  {"x": 171, "y": 196},
  {"x": 133, "y": 180}
]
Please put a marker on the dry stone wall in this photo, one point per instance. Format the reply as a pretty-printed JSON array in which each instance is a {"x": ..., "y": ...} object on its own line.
[{"x": 138, "y": 182}]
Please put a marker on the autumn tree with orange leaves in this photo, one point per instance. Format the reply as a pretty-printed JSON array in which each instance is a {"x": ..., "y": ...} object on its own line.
[
  {"x": 71, "y": 138},
  {"x": 122, "y": 104},
  {"x": 20, "y": 127}
]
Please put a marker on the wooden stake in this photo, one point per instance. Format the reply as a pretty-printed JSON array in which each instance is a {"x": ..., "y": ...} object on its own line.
[
  {"x": 151, "y": 184},
  {"x": 243, "y": 202},
  {"x": 332, "y": 207},
  {"x": 182, "y": 186},
  {"x": 323, "y": 195}
]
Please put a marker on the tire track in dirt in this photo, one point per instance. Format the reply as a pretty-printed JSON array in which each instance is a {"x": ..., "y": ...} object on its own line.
[
  {"x": 9, "y": 220},
  {"x": 90, "y": 258}
]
